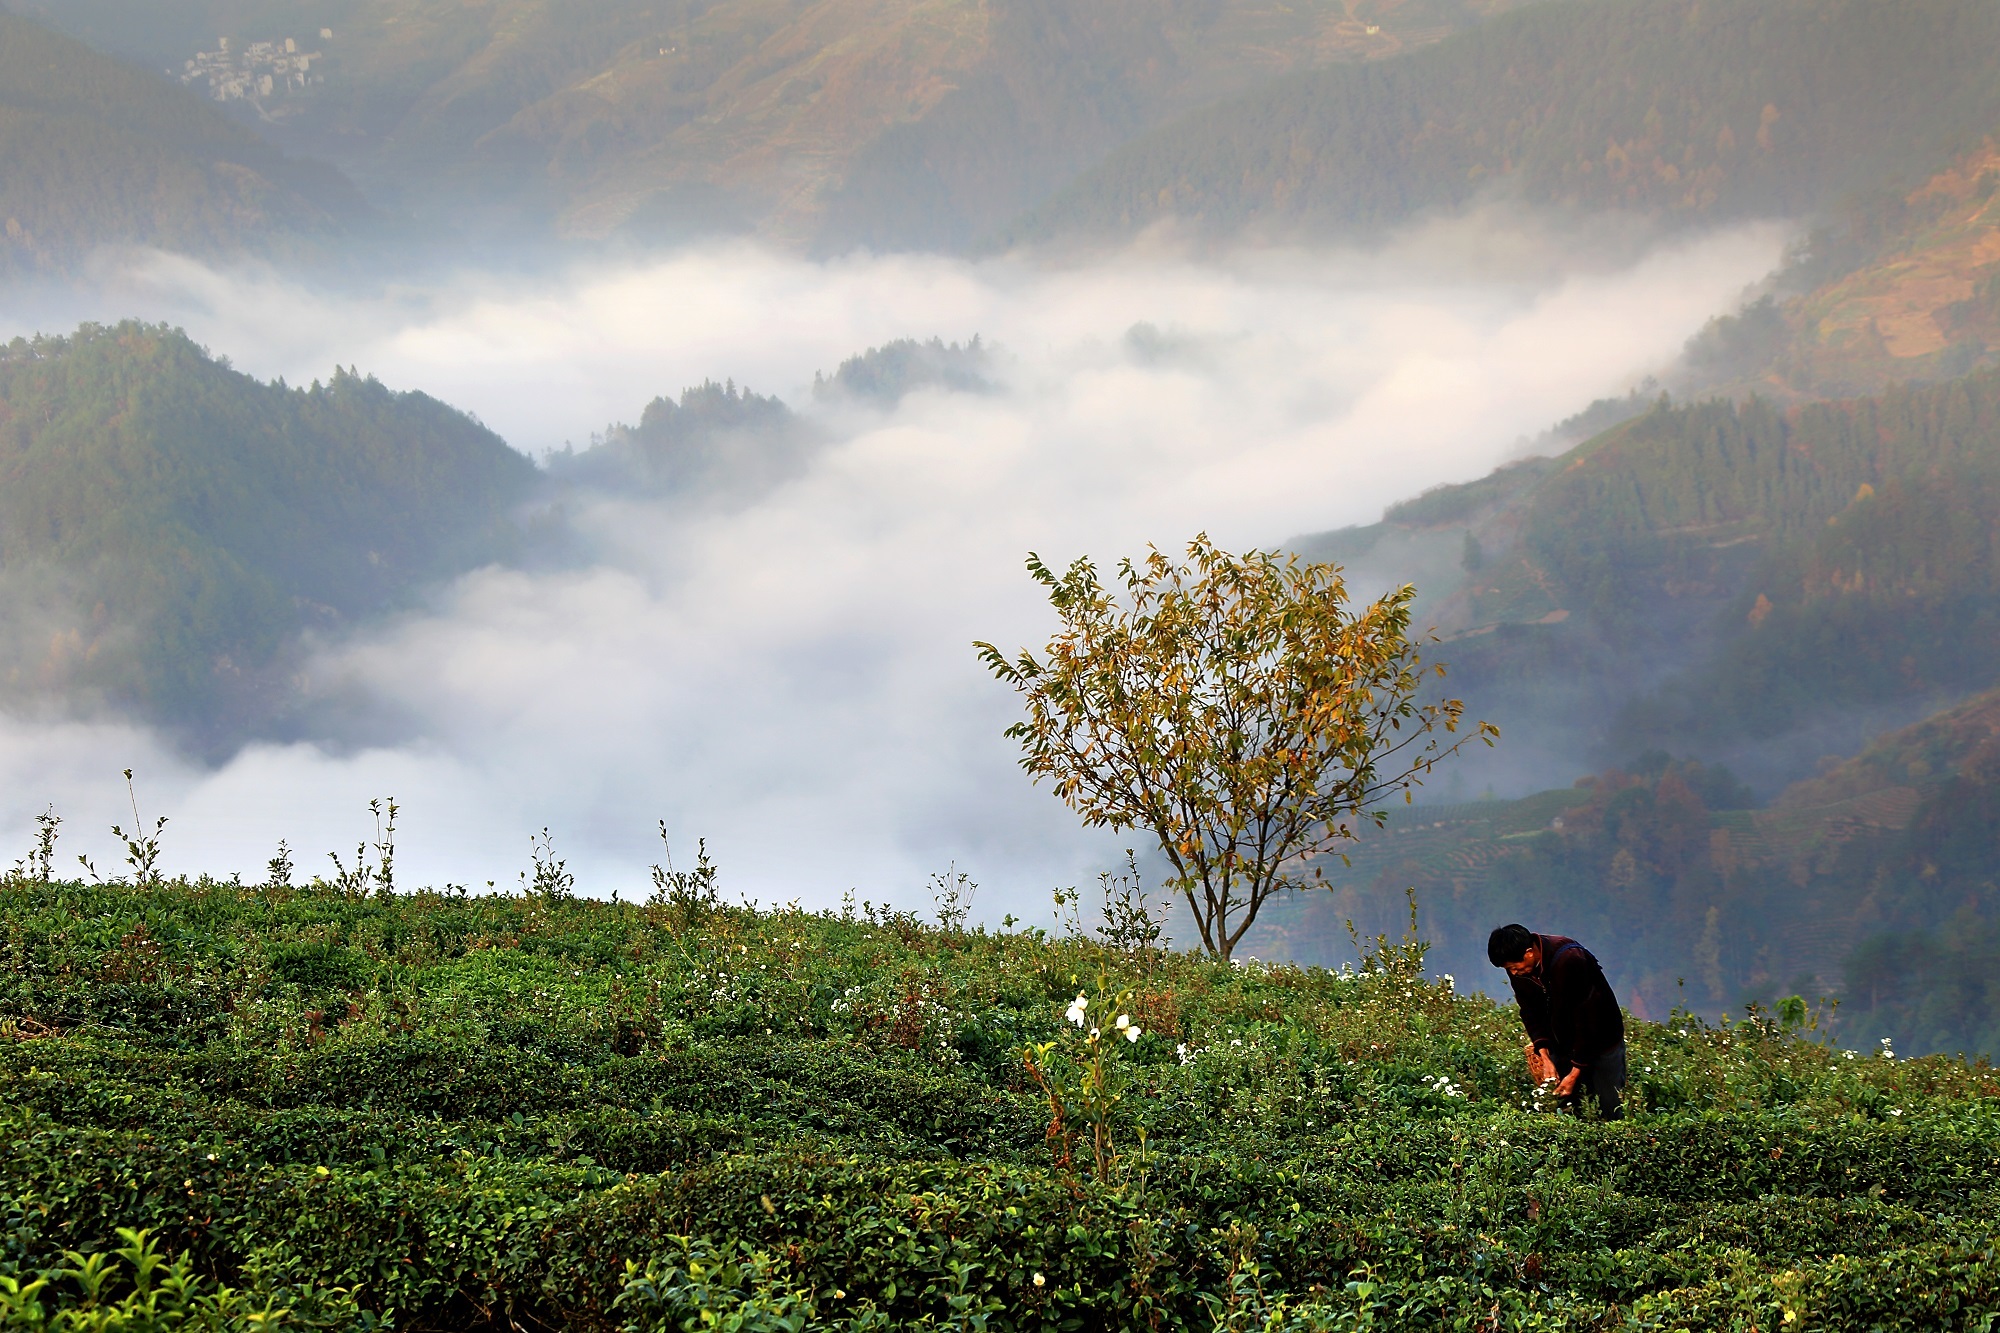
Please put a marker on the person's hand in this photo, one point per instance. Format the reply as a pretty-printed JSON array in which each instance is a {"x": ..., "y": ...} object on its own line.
[
  {"x": 1568, "y": 1085},
  {"x": 1540, "y": 1068}
]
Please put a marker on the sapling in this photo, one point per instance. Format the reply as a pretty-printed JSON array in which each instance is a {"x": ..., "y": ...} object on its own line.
[
  {"x": 39, "y": 864},
  {"x": 278, "y": 870},
  {"x": 552, "y": 880},
  {"x": 1129, "y": 925},
  {"x": 953, "y": 891},
  {"x": 690, "y": 895},
  {"x": 385, "y": 846},
  {"x": 141, "y": 853},
  {"x": 358, "y": 880}
]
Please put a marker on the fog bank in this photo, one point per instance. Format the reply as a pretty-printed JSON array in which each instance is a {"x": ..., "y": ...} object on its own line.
[{"x": 792, "y": 677}]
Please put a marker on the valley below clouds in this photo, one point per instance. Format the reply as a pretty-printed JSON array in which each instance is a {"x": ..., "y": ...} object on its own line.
[{"x": 786, "y": 670}]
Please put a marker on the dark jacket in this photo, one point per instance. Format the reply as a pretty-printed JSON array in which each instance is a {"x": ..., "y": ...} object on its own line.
[{"x": 1567, "y": 1005}]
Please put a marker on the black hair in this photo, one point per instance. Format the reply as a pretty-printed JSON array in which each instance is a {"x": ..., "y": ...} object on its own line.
[{"x": 1509, "y": 944}]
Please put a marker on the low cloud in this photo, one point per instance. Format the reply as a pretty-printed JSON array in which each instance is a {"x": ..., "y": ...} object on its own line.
[{"x": 792, "y": 678}]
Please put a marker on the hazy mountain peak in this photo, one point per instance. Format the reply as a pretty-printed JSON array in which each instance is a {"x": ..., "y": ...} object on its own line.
[{"x": 885, "y": 374}]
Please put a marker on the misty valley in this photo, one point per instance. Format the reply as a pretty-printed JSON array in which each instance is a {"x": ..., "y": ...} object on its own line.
[{"x": 553, "y": 558}]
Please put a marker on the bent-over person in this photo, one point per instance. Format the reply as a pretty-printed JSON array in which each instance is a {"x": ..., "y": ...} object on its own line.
[{"x": 1576, "y": 1032}]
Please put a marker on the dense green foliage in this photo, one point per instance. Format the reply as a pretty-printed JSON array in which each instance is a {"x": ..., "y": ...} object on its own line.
[
  {"x": 168, "y": 525},
  {"x": 451, "y": 1112},
  {"x": 1693, "y": 109},
  {"x": 96, "y": 152}
]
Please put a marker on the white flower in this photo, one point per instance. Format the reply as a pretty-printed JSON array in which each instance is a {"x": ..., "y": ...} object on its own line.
[
  {"x": 1182, "y": 1051},
  {"x": 1124, "y": 1021},
  {"x": 1132, "y": 1034},
  {"x": 1040, "y": 1280},
  {"x": 1895, "y": 1110},
  {"x": 1075, "y": 1011},
  {"x": 1093, "y": 1034}
]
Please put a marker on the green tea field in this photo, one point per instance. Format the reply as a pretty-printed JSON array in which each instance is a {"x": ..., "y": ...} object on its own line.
[{"x": 237, "y": 1107}]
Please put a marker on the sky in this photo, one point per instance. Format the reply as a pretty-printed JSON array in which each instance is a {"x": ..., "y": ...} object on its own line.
[{"x": 790, "y": 675}]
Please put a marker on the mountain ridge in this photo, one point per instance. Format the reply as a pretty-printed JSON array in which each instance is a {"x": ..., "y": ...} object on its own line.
[
  {"x": 823, "y": 125},
  {"x": 1682, "y": 109},
  {"x": 169, "y": 527}
]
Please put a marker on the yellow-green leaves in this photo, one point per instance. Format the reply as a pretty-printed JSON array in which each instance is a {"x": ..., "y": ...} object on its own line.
[{"x": 1234, "y": 705}]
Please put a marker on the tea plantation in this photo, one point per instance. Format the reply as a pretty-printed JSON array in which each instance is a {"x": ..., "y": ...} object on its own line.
[{"x": 274, "y": 1107}]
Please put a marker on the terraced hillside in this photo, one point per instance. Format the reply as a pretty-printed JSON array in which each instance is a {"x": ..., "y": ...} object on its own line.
[
  {"x": 1897, "y": 286},
  {"x": 1931, "y": 306}
]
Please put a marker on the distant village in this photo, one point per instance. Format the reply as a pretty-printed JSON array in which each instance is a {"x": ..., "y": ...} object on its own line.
[{"x": 255, "y": 72}]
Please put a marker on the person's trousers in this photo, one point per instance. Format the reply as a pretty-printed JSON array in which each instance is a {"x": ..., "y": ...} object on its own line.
[{"x": 1605, "y": 1081}]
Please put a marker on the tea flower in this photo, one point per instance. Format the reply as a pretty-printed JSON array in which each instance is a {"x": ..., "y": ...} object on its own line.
[
  {"x": 1075, "y": 1011},
  {"x": 1040, "y": 1280},
  {"x": 1128, "y": 1027}
]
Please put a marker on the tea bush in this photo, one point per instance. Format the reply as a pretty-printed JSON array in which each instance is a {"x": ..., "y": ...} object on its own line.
[{"x": 434, "y": 1111}]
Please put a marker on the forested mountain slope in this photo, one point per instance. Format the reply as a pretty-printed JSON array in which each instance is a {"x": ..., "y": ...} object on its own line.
[
  {"x": 1747, "y": 582},
  {"x": 825, "y": 123},
  {"x": 717, "y": 445},
  {"x": 168, "y": 526},
  {"x": 94, "y": 151},
  {"x": 1690, "y": 110}
]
